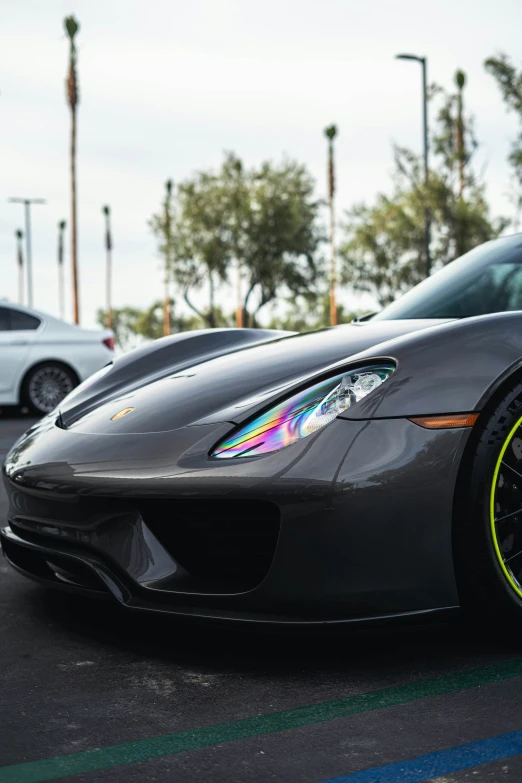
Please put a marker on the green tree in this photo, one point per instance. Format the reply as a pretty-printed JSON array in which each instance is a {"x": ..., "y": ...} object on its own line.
[
  {"x": 509, "y": 81},
  {"x": 280, "y": 236},
  {"x": 261, "y": 222},
  {"x": 310, "y": 311},
  {"x": 199, "y": 249},
  {"x": 383, "y": 248},
  {"x": 131, "y": 324}
]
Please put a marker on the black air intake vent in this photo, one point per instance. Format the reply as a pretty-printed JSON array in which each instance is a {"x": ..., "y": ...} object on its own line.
[{"x": 229, "y": 543}]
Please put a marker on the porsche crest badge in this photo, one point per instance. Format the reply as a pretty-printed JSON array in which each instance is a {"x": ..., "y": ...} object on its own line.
[{"x": 122, "y": 413}]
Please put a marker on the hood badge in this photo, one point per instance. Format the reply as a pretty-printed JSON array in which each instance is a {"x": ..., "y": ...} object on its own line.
[{"x": 122, "y": 413}]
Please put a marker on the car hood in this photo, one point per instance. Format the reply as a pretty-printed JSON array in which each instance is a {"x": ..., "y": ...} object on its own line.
[{"x": 231, "y": 387}]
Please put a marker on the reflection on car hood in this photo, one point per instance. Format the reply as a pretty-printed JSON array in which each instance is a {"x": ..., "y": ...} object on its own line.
[{"x": 227, "y": 387}]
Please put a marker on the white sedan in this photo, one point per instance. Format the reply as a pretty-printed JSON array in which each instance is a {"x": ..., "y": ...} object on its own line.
[{"x": 42, "y": 358}]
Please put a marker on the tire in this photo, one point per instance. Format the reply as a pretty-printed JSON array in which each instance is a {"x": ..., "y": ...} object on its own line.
[
  {"x": 488, "y": 523},
  {"x": 46, "y": 385}
]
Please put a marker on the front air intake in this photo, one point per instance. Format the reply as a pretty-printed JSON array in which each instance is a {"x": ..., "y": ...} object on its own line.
[{"x": 229, "y": 544}]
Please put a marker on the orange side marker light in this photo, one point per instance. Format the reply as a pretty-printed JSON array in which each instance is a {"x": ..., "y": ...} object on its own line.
[{"x": 448, "y": 422}]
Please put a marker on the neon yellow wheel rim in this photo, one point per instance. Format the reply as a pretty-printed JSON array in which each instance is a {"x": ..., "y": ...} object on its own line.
[{"x": 509, "y": 576}]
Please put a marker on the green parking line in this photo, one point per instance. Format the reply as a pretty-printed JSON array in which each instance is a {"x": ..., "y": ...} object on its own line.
[{"x": 196, "y": 739}]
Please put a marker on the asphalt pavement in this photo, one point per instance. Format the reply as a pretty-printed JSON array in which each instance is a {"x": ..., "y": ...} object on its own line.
[{"x": 90, "y": 694}]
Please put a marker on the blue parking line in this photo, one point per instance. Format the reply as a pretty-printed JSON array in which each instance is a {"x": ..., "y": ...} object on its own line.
[{"x": 443, "y": 762}]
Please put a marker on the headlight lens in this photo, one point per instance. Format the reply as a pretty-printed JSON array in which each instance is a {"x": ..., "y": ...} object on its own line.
[{"x": 303, "y": 414}]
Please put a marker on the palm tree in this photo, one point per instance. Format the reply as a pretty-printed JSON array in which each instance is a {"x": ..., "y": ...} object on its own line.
[
  {"x": 20, "y": 261},
  {"x": 460, "y": 80},
  {"x": 61, "y": 298},
  {"x": 331, "y": 133},
  {"x": 71, "y": 28},
  {"x": 168, "y": 218},
  {"x": 108, "y": 247}
]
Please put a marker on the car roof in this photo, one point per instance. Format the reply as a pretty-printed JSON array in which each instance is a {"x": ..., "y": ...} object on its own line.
[{"x": 31, "y": 311}]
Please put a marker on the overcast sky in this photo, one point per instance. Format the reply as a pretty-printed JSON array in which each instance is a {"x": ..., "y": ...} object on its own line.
[{"x": 167, "y": 85}]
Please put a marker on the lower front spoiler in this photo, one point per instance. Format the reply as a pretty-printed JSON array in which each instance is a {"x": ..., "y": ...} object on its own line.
[{"x": 87, "y": 574}]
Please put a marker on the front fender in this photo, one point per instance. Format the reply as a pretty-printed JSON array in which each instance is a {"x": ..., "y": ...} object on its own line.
[{"x": 450, "y": 368}]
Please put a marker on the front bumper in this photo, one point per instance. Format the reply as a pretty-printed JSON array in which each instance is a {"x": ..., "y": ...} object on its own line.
[{"x": 359, "y": 517}]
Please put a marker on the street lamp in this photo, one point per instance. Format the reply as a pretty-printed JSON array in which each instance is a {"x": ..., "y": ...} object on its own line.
[
  {"x": 427, "y": 228},
  {"x": 28, "y": 260}
]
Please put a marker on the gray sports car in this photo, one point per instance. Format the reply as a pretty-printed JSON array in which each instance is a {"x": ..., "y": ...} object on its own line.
[{"x": 365, "y": 472}]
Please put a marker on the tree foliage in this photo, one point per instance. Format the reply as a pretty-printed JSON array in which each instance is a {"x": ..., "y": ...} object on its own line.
[
  {"x": 509, "y": 82},
  {"x": 261, "y": 223},
  {"x": 383, "y": 248},
  {"x": 309, "y": 311},
  {"x": 132, "y": 325}
]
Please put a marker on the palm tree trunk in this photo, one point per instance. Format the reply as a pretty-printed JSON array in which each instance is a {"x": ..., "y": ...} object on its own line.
[
  {"x": 331, "y": 133},
  {"x": 166, "y": 303},
  {"x": 333, "y": 274},
  {"x": 74, "y": 243},
  {"x": 212, "y": 312},
  {"x": 240, "y": 313},
  {"x": 20, "y": 261},
  {"x": 61, "y": 287},
  {"x": 167, "y": 314},
  {"x": 108, "y": 313},
  {"x": 108, "y": 267},
  {"x": 61, "y": 297},
  {"x": 21, "y": 283}
]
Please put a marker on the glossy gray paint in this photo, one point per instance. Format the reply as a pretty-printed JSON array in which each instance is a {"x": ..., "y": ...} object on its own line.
[
  {"x": 229, "y": 387},
  {"x": 442, "y": 367},
  {"x": 452, "y": 367},
  {"x": 365, "y": 504},
  {"x": 159, "y": 357},
  {"x": 365, "y": 512}
]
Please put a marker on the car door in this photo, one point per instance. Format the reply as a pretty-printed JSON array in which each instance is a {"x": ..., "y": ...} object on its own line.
[{"x": 17, "y": 332}]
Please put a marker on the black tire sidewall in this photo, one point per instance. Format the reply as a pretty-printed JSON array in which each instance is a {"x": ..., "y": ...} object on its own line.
[{"x": 483, "y": 586}]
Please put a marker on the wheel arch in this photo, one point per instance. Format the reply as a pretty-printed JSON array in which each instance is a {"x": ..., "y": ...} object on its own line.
[
  {"x": 492, "y": 398},
  {"x": 454, "y": 367}
]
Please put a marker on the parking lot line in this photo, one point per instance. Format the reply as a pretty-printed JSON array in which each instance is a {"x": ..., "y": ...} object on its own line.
[
  {"x": 443, "y": 762},
  {"x": 196, "y": 739}
]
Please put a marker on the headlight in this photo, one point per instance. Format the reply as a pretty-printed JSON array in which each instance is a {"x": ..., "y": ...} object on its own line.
[{"x": 303, "y": 414}]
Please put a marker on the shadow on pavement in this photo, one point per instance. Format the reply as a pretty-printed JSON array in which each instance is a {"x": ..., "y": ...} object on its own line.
[
  {"x": 222, "y": 647},
  {"x": 15, "y": 412}
]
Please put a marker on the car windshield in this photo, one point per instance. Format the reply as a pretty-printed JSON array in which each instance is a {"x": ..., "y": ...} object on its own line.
[{"x": 485, "y": 280}]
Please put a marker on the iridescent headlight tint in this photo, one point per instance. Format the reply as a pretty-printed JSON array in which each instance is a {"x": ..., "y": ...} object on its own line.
[{"x": 303, "y": 414}]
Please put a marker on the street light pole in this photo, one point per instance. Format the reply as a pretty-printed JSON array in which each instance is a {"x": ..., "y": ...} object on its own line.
[
  {"x": 427, "y": 220},
  {"x": 28, "y": 258}
]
